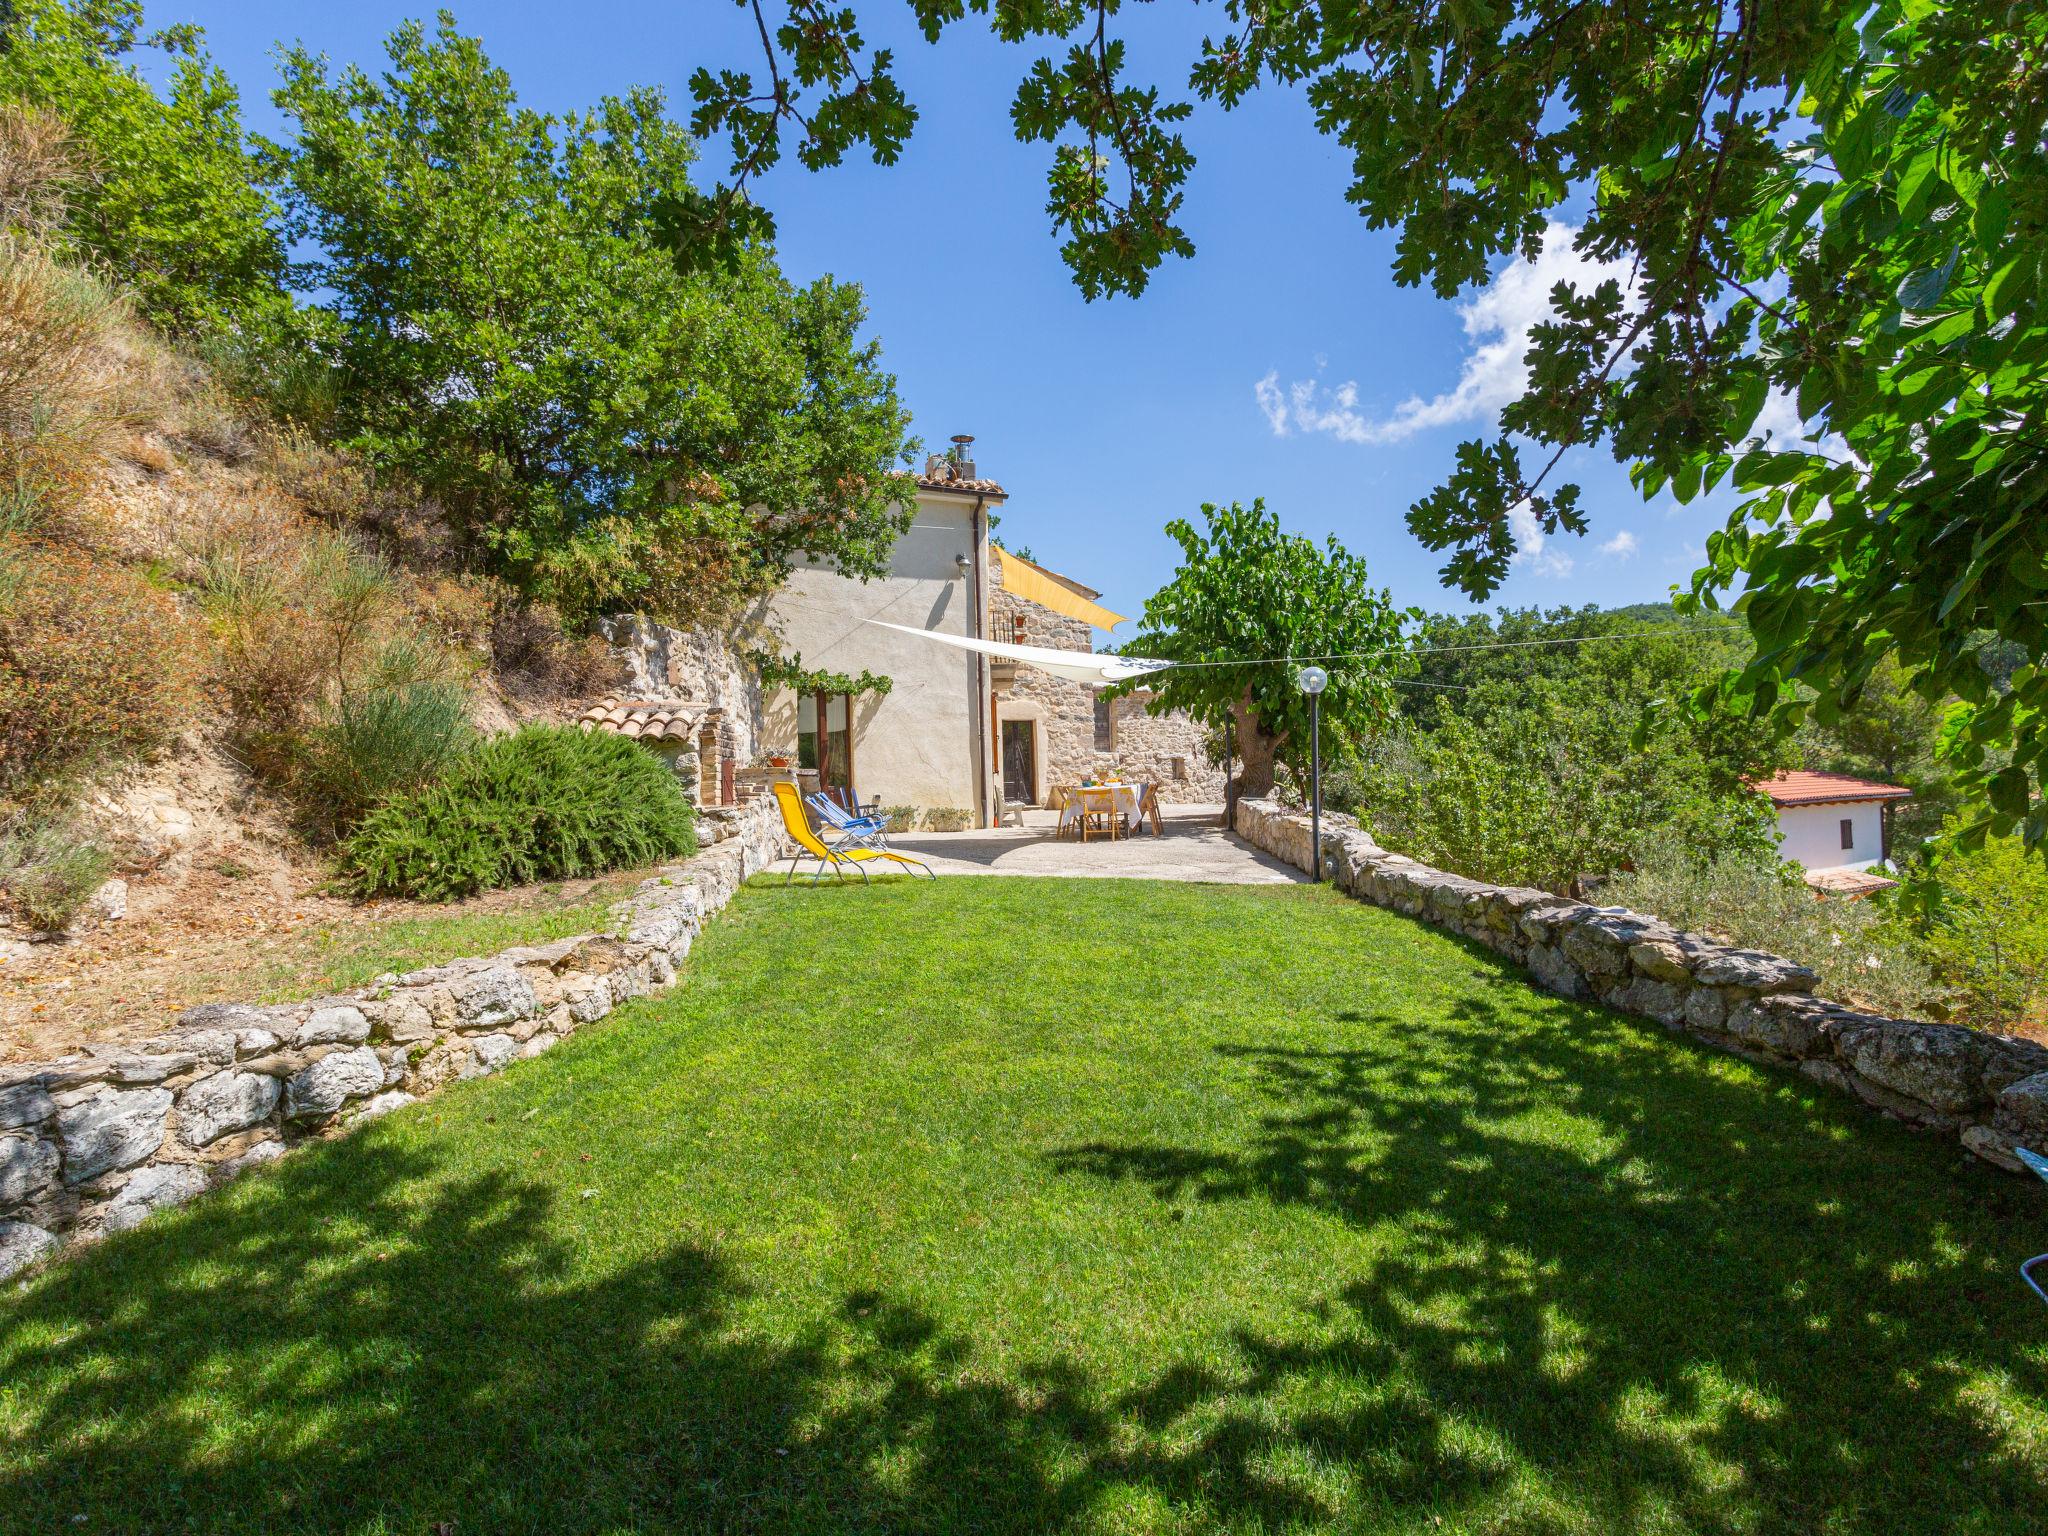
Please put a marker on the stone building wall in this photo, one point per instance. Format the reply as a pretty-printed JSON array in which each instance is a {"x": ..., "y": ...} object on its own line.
[
  {"x": 1066, "y": 715},
  {"x": 700, "y": 666},
  {"x": 91, "y": 1144},
  {"x": 1082, "y": 735},
  {"x": 1170, "y": 750},
  {"x": 1988, "y": 1091}
]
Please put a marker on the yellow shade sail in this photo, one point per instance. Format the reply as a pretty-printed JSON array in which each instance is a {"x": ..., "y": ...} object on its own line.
[{"x": 1035, "y": 584}]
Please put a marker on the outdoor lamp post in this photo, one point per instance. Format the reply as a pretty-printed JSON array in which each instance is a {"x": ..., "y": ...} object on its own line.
[{"x": 1313, "y": 681}]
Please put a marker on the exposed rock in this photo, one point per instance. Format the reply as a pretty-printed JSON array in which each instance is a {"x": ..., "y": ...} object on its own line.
[
  {"x": 134, "y": 1069},
  {"x": 598, "y": 956},
  {"x": 28, "y": 1167},
  {"x": 488, "y": 1054},
  {"x": 320, "y": 1090},
  {"x": 1596, "y": 952},
  {"x": 591, "y": 1002},
  {"x": 1752, "y": 969},
  {"x": 1555, "y": 972},
  {"x": 1659, "y": 959},
  {"x": 231, "y": 1016},
  {"x": 113, "y": 1130},
  {"x": 26, "y": 1103},
  {"x": 1784, "y": 1026},
  {"x": 227, "y": 1101},
  {"x": 334, "y": 1024},
  {"x": 262, "y": 1152},
  {"x": 254, "y": 1042},
  {"x": 401, "y": 1018},
  {"x": 22, "y": 1245},
  {"x": 151, "y": 1189},
  {"x": 209, "y": 1045},
  {"x": 382, "y": 1105},
  {"x": 1993, "y": 1145},
  {"x": 493, "y": 996},
  {"x": 2023, "y": 1110},
  {"x": 1705, "y": 1009},
  {"x": 1653, "y": 999},
  {"x": 1940, "y": 1065},
  {"x": 108, "y": 904}
]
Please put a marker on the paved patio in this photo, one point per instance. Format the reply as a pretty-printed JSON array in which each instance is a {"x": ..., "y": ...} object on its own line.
[{"x": 1193, "y": 847}]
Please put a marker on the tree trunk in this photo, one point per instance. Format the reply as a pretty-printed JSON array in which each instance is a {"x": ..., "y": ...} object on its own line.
[{"x": 1257, "y": 750}]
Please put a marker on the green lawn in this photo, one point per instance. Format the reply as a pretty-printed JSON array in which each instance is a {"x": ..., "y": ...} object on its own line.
[{"x": 1016, "y": 1205}]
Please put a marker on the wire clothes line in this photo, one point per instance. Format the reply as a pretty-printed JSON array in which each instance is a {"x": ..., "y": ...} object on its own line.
[{"x": 1433, "y": 650}]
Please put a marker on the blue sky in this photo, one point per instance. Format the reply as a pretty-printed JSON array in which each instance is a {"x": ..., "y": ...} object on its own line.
[{"x": 1282, "y": 361}]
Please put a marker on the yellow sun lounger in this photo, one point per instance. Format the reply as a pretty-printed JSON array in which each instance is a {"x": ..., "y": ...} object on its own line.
[{"x": 798, "y": 825}]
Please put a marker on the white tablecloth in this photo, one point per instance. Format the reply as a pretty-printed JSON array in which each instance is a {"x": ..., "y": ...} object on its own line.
[{"x": 1128, "y": 798}]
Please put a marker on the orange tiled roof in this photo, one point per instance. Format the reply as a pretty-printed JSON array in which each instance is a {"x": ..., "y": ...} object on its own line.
[
  {"x": 1799, "y": 787},
  {"x": 646, "y": 719},
  {"x": 941, "y": 474}
]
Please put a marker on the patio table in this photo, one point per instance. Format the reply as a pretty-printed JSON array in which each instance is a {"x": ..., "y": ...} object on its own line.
[{"x": 1123, "y": 800}]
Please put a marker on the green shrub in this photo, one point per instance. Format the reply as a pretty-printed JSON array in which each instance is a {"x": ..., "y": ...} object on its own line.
[
  {"x": 379, "y": 744},
  {"x": 96, "y": 665},
  {"x": 48, "y": 869},
  {"x": 545, "y": 802},
  {"x": 1863, "y": 953},
  {"x": 1986, "y": 934},
  {"x": 948, "y": 818},
  {"x": 899, "y": 818}
]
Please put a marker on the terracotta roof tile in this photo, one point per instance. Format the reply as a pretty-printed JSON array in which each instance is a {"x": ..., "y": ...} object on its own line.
[
  {"x": 642, "y": 719},
  {"x": 1799, "y": 787}
]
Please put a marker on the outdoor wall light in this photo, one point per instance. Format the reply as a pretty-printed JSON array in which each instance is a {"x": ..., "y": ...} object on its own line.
[
  {"x": 965, "y": 563},
  {"x": 1313, "y": 681}
]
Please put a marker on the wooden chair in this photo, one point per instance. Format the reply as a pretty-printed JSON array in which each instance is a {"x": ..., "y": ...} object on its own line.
[
  {"x": 1066, "y": 801},
  {"x": 1148, "y": 807},
  {"x": 1099, "y": 800}
]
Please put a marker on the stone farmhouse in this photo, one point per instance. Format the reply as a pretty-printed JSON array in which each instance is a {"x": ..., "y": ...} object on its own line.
[{"x": 956, "y": 731}]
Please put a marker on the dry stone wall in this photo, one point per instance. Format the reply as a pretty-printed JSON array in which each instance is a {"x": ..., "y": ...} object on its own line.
[
  {"x": 1988, "y": 1091},
  {"x": 93, "y": 1143}
]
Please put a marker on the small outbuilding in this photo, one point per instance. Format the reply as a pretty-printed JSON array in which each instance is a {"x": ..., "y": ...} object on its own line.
[{"x": 1833, "y": 826}]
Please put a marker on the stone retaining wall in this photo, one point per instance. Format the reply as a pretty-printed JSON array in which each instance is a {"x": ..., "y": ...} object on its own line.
[
  {"x": 92, "y": 1143},
  {"x": 1989, "y": 1091}
]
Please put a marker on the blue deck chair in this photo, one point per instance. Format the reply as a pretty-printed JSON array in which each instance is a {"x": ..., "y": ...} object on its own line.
[
  {"x": 2039, "y": 1164},
  {"x": 854, "y": 831}
]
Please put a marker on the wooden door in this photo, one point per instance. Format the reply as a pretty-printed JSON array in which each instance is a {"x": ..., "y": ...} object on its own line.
[{"x": 1020, "y": 763}]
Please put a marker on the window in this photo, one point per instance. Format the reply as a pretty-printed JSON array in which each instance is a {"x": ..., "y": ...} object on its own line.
[
  {"x": 1105, "y": 728},
  {"x": 1848, "y": 833},
  {"x": 835, "y": 747}
]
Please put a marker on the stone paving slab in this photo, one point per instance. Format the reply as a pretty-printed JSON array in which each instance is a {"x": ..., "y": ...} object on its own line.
[{"x": 1194, "y": 847}]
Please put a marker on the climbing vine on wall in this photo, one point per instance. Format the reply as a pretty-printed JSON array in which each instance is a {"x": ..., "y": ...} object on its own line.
[{"x": 790, "y": 672}]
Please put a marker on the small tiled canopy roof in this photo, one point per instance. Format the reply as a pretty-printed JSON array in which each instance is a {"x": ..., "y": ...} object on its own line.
[
  {"x": 646, "y": 719},
  {"x": 1803, "y": 788},
  {"x": 1848, "y": 882}
]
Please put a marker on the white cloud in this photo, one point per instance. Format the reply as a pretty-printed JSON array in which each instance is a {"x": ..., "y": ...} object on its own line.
[
  {"x": 1621, "y": 546},
  {"x": 1532, "y": 548},
  {"x": 1779, "y": 419},
  {"x": 1497, "y": 321}
]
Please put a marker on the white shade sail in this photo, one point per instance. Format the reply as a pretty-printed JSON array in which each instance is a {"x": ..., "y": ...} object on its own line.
[{"x": 1097, "y": 671}]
